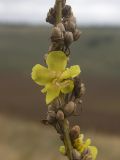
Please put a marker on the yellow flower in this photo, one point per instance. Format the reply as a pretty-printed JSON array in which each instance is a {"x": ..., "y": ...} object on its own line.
[
  {"x": 82, "y": 145},
  {"x": 55, "y": 78}
]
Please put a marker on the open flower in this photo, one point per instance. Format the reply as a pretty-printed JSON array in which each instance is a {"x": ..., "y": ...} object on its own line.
[
  {"x": 56, "y": 78},
  {"x": 87, "y": 152},
  {"x": 83, "y": 146}
]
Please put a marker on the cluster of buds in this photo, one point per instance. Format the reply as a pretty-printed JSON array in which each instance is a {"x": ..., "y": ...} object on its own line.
[
  {"x": 63, "y": 33},
  {"x": 57, "y": 112},
  {"x": 60, "y": 109}
]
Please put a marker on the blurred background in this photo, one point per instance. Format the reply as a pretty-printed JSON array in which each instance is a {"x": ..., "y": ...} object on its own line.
[{"x": 24, "y": 39}]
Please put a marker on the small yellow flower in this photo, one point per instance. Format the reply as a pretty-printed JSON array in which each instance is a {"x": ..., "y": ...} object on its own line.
[
  {"x": 55, "y": 78},
  {"x": 82, "y": 145}
]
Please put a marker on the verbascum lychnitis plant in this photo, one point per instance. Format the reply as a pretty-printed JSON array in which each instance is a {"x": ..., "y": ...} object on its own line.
[{"x": 62, "y": 85}]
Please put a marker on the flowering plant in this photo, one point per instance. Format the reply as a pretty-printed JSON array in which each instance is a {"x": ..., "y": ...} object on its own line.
[{"x": 62, "y": 86}]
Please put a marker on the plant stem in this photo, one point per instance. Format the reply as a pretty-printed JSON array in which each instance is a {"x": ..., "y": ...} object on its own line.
[
  {"x": 65, "y": 125},
  {"x": 67, "y": 140},
  {"x": 58, "y": 7}
]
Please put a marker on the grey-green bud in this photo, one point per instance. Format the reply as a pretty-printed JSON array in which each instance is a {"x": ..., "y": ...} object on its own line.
[
  {"x": 75, "y": 132},
  {"x": 69, "y": 108},
  {"x": 51, "y": 117},
  {"x": 61, "y": 27},
  {"x": 60, "y": 115},
  {"x": 56, "y": 33},
  {"x": 63, "y": 3},
  {"x": 70, "y": 26},
  {"x": 76, "y": 35},
  {"x": 51, "y": 108},
  {"x": 67, "y": 11},
  {"x": 68, "y": 38}
]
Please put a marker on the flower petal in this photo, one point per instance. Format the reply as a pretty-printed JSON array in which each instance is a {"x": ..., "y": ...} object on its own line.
[
  {"x": 78, "y": 143},
  {"x": 41, "y": 75},
  {"x": 67, "y": 86},
  {"x": 56, "y": 61},
  {"x": 66, "y": 74},
  {"x": 53, "y": 92},
  {"x": 44, "y": 90},
  {"x": 85, "y": 145},
  {"x": 75, "y": 71},
  {"x": 93, "y": 151},
  {"x": 71, "y": 72}
]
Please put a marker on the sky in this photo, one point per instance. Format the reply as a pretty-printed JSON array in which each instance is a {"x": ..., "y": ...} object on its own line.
[{"x": 87, "y": 12}]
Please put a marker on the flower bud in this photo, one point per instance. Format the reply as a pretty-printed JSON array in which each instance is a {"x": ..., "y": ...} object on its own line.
[
  {"x": 51, "y": 117},
  {"x": 61, "y": 27},
  {"x": 76, "y": 35},
  {"x": 67, "y": 11},
  {"x": 76, "y": 154},
  {"x": 70, "y": 26},
  {"x": 56, "y": 33},
  {"x": 50, "y": 19},
  {"x": 56, "y": 104},
  {"x": 72, "y": 19},
  {"x": 68, "y": 38},
  {"x": 69, "y": 108},
  {"x": 63, "y": 3},
  {"x": 75, "y": 132},
  {"x": 51, "y": 16},
  {"x": 60, "y": 115},
  {"x": 82, "y": 89},
  {"x": 51, "y": 108}
]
